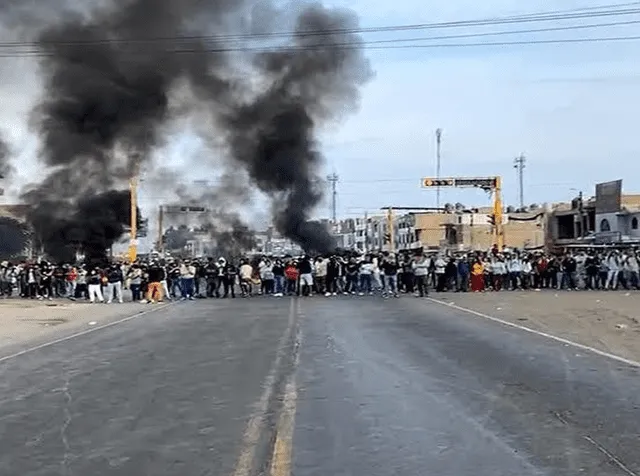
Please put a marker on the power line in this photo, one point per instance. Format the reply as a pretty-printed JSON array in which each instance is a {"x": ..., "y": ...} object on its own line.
[
  {"x": 348, "y": 46},
  {"x": 499, "y": 33},
  {"x": 560, "y": 15}
]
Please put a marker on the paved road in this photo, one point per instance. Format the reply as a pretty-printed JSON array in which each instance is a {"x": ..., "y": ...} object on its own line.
[{"x": 317, "y": 387}]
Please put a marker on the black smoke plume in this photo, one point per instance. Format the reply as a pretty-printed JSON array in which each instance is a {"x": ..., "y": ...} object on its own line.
[
  {"x": 110, "y": 74},
  {"x": 274, "y": 135},
  {"x": 14, "y": 237},
  {"x": 94, "y": 224},
  {"x": 105, "y": 98}
]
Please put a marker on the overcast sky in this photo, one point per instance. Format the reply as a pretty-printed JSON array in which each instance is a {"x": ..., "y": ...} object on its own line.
[{"x": 570, "y": 108}]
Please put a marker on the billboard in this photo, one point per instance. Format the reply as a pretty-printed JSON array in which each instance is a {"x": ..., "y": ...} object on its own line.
[{"x": 608, "y": 197}]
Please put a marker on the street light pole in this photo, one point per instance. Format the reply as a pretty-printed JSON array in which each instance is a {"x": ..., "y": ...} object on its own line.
[
  {"x": 438, "y": 146},
  {"x": 519, "y": 164}
]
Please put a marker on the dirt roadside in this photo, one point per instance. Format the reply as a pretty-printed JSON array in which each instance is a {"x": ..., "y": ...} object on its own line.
[
  {"x": 608, "y": 321},
  {"x": 27, "y": 323}
]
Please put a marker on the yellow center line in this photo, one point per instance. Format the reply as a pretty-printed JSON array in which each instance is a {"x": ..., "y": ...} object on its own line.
[
  {"x": 283, "y": 447},
  {"x": 255, "y": 426}
]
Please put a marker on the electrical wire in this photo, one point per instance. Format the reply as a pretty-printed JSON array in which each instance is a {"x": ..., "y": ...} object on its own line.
[
  {"x": 348, "y": 46},
  {"x": 485, "y": 34},
  {"x": 576, "y": 14}
]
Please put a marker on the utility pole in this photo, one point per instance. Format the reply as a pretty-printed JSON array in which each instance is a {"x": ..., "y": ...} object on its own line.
[
  {"x": 160, "y": 245},
  {"x": 391, "y": 230},
  {"x": 438, "y": 146},
  {"x": 133, "y": 244},
  {"x": 333, "y": 180},
  {"x": 519, "y": 165},
  {"x": 581, "y": 211}
]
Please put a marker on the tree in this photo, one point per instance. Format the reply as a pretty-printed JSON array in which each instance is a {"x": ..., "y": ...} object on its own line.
[
  {"x": 448, "y": 208},
  {"x": 459, "y": 207},
  {"x": 511, "y": 209}
]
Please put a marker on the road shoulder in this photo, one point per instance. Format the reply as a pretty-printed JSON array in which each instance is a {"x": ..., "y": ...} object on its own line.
[
  {"x": 606, "y": 321},
  {"x": 28, "y": 324}
]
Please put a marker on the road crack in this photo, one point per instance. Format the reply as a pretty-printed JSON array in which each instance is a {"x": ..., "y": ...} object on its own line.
[{"x": 68, "y": 418}]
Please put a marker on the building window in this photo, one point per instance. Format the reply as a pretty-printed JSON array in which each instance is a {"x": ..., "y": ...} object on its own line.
[
  {"x": 634, "y": 223},
  {"x": 604, "y": 225}
]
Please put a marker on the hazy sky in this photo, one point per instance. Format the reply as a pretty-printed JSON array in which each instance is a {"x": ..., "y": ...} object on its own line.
[{"x": 570, "y": 108}]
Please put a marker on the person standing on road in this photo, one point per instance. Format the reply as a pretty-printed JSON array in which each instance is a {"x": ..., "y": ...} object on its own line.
[
  {"x": 267, "y": 277},
  {"x": 613, "y": 265},
  {"x": 421, "y": 269},
  {"x": 292, "y": 274},
  {"x": 135, "y": 282},
  {"x": 230, "y": 275},
  {"x": 390, "y": 274},
  {"x": 352, "y": 269},
  {"x": 46, "y": 281},
  {"x": 366, "y": 277},
  {"x": 333, "y": 274},
  {"x": 477, "y": 276},
  {"x": 246, "y": 273},
  {"x": 278, "y": 277},
  {"x": 72, "y": 281},
  {"x": 211, "y": 272},
  {"x": 155, "y": 275},
  {"x": 187, "y": 275},
  {"x": 440, "y": 270},
  {"x": 306, "y": 276},
  {"x": 114, "y": 283},
  {"x": 321, "y": 274},
  {"x": 463, "y": 274},
  {"x": 94, "y": 281}
]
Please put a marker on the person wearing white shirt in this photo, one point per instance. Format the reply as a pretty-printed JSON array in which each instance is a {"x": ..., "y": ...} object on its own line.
[
  {"x": 514, "y": 268},
  {"x": 613, "y": 263},
  {"x": 366, "y": 277},
  {"x": 441, "y": 266},
  {"x": 499, "y": 270}
]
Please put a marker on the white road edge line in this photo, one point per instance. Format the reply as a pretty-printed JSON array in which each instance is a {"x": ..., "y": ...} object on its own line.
[
  {"x": 82, "y": 333},
  {"x": 562, "y": 340}
]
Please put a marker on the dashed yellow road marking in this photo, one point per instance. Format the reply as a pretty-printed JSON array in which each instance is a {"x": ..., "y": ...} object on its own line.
[
  {"x": 281, "y": 459},
  {"x": 255, "y": 426}
]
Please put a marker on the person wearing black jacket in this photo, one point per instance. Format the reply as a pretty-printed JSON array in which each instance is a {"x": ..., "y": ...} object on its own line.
[
  {"x": 114, "y": 283},
  {"x": 278, "y": 277},
  {"x": 591, "y": 265},
  {"x": 333, "y": 273},
  {"x": 211, "y": 275},
  {"x": 306, "y": 276},
  {"x": 352, "y": 269},
  {"x": 94, "y": 282},
  {"x": 569, "y": 267},
  {"x": 229, "y": 280},
  {"x": 390, "y": 270},
  {"x": 155, "y": 275}
]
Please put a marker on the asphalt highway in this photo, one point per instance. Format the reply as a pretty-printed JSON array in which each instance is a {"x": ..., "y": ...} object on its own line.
[{"x": 338, "y": 386}]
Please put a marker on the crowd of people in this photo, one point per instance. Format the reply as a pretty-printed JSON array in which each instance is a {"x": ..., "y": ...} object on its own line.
[{"x": 386, "y": 274}]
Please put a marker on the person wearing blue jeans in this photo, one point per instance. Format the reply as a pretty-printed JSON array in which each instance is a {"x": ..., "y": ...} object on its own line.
[
  {"x": 366, "y": 276},
  {"x": 187, "y": 275},
  {"x": 390, "y": 269},
  {"x": 278, "y": 278}
]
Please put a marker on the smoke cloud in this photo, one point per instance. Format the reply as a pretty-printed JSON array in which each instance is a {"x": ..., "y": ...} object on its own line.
[
  {"x": 13, "y": 237},
  {"x": 274, "y": 135},
  {"x": 111, "y": 73},
  {"x": 6, "y": 169}
]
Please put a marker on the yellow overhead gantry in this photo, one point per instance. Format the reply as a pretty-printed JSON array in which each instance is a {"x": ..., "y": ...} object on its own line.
[{"x": 492, "y": 185}]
